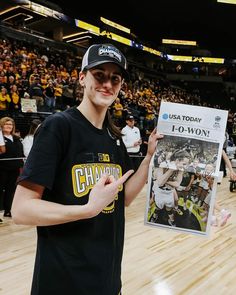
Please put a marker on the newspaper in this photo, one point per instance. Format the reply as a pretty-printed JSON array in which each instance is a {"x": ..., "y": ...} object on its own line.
[
  {"x": 28, "y": 105},
  {"x": 184, "y": 169}
]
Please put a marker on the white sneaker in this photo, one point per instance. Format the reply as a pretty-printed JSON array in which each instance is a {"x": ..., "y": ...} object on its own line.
[{"x": 225, "y": 215}]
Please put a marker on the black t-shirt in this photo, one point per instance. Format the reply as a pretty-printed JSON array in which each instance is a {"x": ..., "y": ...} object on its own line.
[{"x": 84, "y": 257}]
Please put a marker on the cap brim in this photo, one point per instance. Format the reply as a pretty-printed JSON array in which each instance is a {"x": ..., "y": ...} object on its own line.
[{"x": 97, "y": 63}]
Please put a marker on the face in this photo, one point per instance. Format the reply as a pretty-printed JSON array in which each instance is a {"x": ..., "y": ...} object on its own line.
[
  {"x": 4, "y": 91},
  {"x": 182, "y": 164},
  {"x": 101, "y": 84},
  {"x": 209, "y": 169},
  {"x": 8, "y": 127},
  {"x": 195, "y": 163},
  {"x": 130, "y": 122}
]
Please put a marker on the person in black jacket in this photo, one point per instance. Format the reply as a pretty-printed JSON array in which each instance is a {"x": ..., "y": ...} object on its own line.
[{"x": 10, "y": 163}]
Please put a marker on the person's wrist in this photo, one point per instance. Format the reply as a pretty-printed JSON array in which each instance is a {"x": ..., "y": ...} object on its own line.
[
  {"x": 148, "y": 157},
  {"x": 89, "y": 212}
]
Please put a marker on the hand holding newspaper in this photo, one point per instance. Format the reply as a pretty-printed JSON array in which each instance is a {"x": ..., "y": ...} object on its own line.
[{"x": 185, "y": 166}]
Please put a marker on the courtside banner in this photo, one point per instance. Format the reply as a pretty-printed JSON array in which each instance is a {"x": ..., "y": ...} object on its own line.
[{"x": 184, "y": 169}]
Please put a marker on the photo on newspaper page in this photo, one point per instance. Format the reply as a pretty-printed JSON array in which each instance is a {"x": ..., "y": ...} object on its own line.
[{"x": 183, "y": 172}]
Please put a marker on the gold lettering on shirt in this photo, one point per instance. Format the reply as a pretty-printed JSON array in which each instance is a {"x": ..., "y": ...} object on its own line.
[{"x": 85, "y": 176}]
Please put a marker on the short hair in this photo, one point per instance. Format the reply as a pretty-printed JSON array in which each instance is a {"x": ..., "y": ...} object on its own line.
[{"x": 34, "y": 125}]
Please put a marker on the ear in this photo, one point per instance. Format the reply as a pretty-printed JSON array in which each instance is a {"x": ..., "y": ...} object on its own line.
[{"x": 81, "y": 78}]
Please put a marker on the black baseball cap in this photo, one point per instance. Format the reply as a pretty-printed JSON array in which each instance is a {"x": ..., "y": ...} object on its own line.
[
  {"x": 130, "y": 117},
  {"x": 98, "y": 54}
]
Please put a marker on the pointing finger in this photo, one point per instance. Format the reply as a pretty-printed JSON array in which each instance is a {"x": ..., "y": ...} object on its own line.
[{"x": 124, "y": 177}]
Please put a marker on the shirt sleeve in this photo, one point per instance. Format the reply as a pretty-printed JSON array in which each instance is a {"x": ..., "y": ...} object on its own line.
[{"x": 2, "y": 142}]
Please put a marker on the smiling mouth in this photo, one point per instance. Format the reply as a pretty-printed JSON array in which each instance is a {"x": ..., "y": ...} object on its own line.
[{"x": 105, "y": 93}]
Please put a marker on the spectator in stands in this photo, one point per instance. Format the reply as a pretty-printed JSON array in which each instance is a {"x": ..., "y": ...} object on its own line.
[
  {"x": 15, "y": 98},
  {"x": 150, "y": 117},
  {"x": 24, "y": 83},
  {"x": 28, "y": 139},
  {"x": 4, "y": 99},
  {"x": 2, "y": 80},
  {"x": 49, "y": 93},
  {"x": 58, "y": 93},
  {"x": 117, "y": 112},
  {"x": 10, "y": 83},
  {"x": 75, "y": 184},
  {"x": 34, "y": 76},
  {"x": 36, "y": 92},
  {"x": 9, "y": 169},
  {"x": 68, "y": 94}
]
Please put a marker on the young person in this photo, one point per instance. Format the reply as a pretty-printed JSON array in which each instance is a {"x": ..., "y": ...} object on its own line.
[
  {"x": 29, "y": 138},
  {"x": 168, "y": 177},
  {"x": 76, "y": 183}
]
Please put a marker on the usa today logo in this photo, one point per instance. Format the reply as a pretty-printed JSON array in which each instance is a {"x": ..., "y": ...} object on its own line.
[
  {"x": 185, "y": 118},
  {"x": 165, "y": 116}
]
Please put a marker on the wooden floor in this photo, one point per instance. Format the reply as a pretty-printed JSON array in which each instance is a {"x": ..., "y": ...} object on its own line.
[{"x": 156, "y": 261}]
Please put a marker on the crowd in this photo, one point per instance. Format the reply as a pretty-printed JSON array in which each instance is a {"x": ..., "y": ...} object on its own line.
[{"x": 51, "y": 79}]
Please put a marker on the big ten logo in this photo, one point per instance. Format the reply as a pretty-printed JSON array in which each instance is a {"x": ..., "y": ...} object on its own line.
[{"x": 103, "y": 157}]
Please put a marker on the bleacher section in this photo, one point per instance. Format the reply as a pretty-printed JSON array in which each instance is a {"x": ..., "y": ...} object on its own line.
[{"x": 153, "y": 78}]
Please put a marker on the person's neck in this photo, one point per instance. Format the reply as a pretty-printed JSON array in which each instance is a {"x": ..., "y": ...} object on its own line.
[
  {"x": 7, "y": 133},
  {"x": 93, "y": 114}
]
